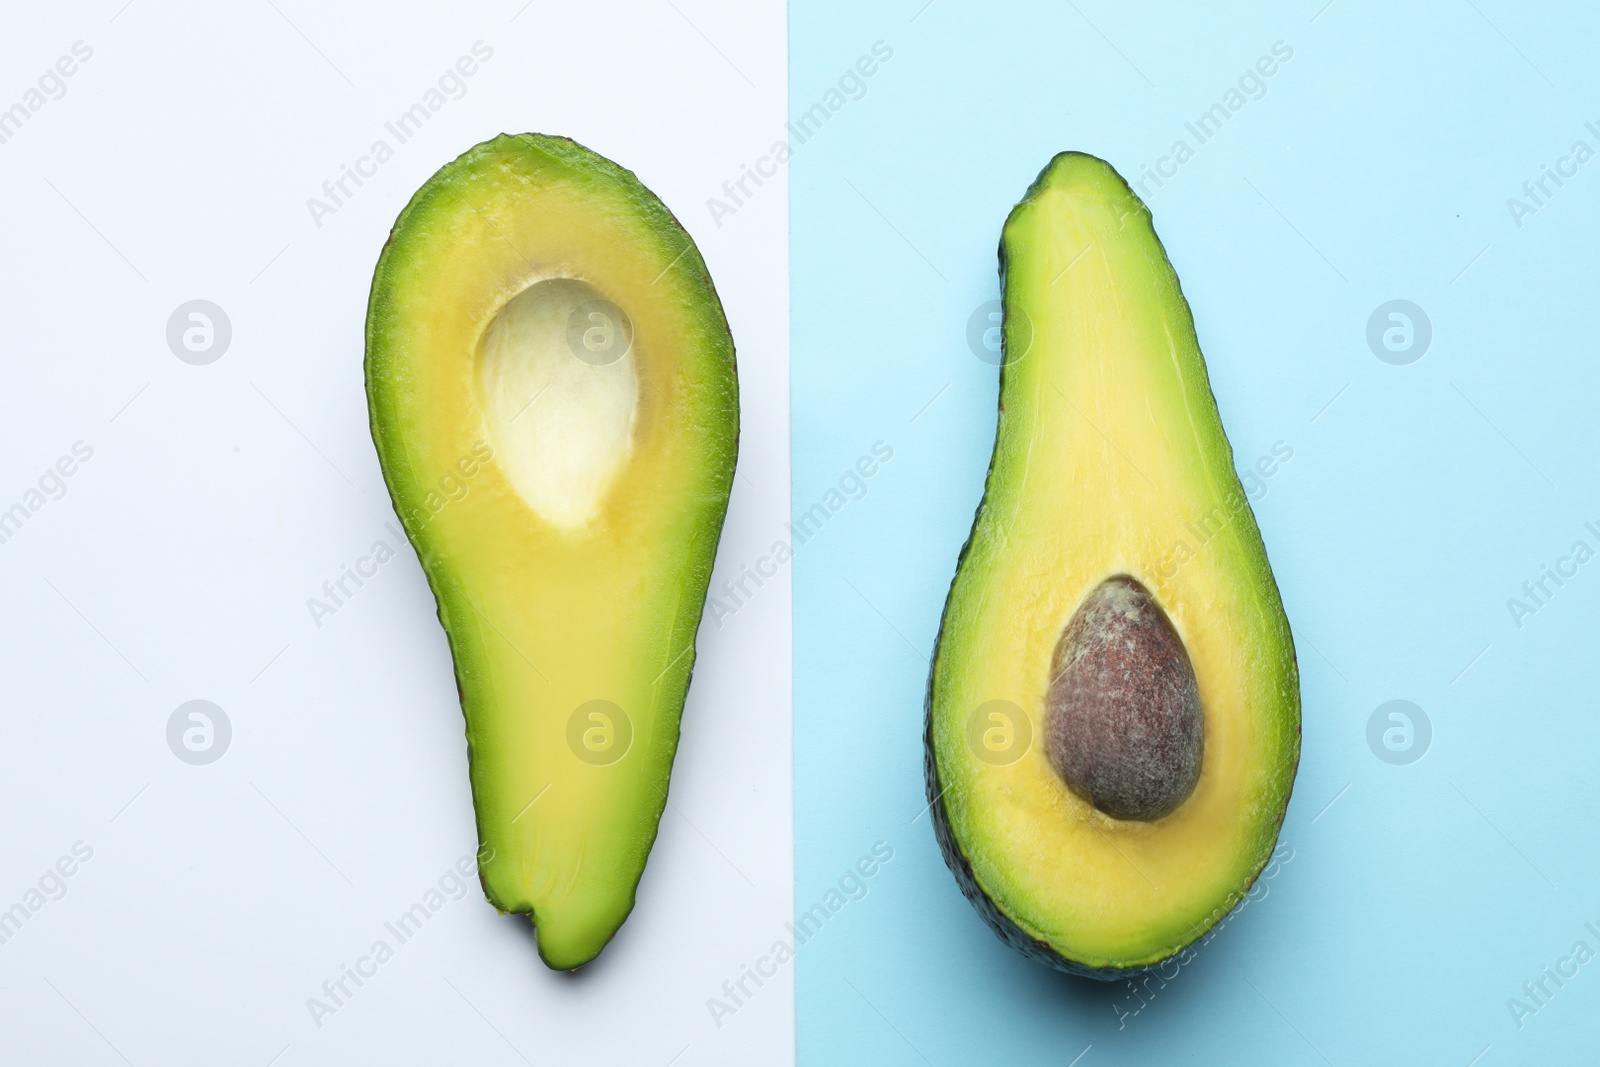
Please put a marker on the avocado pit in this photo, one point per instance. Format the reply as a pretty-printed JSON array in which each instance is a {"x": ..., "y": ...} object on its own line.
[{"x": 1123, "y": 723}]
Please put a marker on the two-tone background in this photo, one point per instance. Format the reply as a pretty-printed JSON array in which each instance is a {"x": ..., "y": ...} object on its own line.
[{"x": 1388, "y": 244}]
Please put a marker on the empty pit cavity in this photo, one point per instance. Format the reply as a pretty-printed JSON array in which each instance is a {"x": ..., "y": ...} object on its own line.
[{"x": 560, "y": 391}]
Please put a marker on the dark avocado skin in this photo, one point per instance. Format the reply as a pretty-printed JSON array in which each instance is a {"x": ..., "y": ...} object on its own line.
[
  {"x": 1004, "y": 928},
  {"x": 1008, "y": 931}
]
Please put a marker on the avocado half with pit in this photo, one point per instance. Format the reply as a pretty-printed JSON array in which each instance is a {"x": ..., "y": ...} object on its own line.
[
  {"x": 555, "y": 406},
  {"x": 1113, "y": 710}
]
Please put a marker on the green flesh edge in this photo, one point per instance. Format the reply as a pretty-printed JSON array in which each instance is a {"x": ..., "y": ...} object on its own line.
[
  {"x": 1146, "y": 314},
  {"x": 540, "y": 620}
]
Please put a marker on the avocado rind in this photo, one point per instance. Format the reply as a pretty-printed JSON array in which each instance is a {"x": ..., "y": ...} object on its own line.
[{"x": 984, "y": 900}]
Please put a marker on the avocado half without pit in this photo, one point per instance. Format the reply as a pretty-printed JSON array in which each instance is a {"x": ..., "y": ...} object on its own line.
[
  {"x": 555, "y": 407},
  {"x": 1113, "y": 711}
]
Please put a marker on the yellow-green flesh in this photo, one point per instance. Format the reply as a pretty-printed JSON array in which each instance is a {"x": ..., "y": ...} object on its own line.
[
  {"x": 565, "y": 504},
  {"x": 1110, "y": 454}
]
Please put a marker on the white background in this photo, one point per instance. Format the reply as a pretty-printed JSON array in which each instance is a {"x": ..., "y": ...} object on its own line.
[{"x": 178, "y": 564}]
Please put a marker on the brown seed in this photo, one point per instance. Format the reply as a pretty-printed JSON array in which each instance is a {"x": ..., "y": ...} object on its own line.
[{"x": 1123, "y": 723}]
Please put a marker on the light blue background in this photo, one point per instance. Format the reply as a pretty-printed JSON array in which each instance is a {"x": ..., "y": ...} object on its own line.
[{"x": 1377, "y": 166}]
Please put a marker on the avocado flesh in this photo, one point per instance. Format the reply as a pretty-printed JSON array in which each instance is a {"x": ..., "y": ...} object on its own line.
[
  {"x": 1109, "y": 457},
  {"x": 563, "y": 478}
]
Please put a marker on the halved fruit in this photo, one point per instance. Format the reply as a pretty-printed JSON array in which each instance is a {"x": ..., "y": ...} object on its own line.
[
  {"x": 555, "y": 407},
  {"x": 1113, "y": 711}
]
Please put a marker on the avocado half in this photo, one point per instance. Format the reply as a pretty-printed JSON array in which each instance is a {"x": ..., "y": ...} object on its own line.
[
  {"x": 555, "y": 406},
  {"x": 1113, "y": 719}
]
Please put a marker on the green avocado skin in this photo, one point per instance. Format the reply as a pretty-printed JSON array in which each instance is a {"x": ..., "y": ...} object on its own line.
[{"x": 960, "y": 866}]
